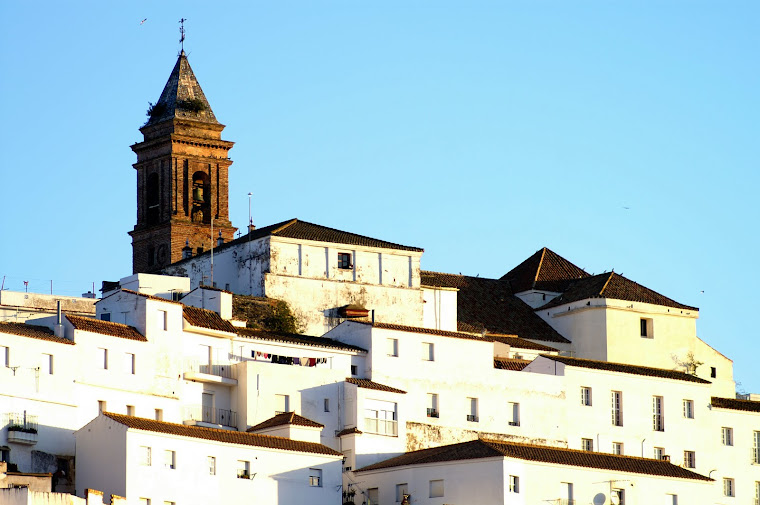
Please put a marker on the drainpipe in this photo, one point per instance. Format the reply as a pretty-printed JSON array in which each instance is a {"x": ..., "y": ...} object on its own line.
[{"x": 58, "y": 330}]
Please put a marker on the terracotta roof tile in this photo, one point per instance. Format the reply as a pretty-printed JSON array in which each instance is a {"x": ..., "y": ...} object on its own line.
[
  {"x": 616, "y": 287},
  {"x": 490, "y": 304},
  {"x": 284, "y": 419},
  {"x": 624, "y": 368},
  {"x": 105, "y": 328},
  {"x": 348, "y": 431},
  {"x": 204, "y": 318},
  {"x": 33, "y": 331},
  {"x": 510, "y": 364},
  {"x": 224, "y": 436},
  {"x": 545, "y": 271},
  {"x": 296, "y": 339},
  {"x": 521, "y": 343},
  {"x": 735, "y": 404},
  {"x": 368, "y": 384},
  {"x": 426, "y": 331},
  {"x": 477, "y": 449},
  {"x": 149, "y": 297}
]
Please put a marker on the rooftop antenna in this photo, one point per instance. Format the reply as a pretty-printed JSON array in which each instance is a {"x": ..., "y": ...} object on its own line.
[
  {"x": 212, "y": 251},
  {"x": 182, "y": 34}
]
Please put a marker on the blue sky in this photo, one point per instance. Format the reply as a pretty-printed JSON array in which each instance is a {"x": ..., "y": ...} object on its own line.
[{"x": 620, "y": 135}]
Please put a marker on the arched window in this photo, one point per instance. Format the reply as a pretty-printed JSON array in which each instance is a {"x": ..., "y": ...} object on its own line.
[
  {"x": 201, "y": 198},
  {"x": 153, "y": 200}
]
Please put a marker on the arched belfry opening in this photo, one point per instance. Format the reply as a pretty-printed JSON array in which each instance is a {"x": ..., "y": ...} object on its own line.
[
  {"x": 153, "y": 200},
  {"x": 201, "y": 197}
]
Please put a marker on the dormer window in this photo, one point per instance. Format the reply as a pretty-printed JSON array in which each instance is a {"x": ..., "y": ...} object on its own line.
[{"x": 344, "y": 261}]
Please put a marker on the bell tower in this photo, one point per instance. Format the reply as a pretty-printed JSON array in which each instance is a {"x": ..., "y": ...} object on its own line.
[{"x": 182, "y": 176}]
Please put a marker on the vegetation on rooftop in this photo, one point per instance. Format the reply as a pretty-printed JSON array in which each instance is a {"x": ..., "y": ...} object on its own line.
[{"x": 265, "y": 314}]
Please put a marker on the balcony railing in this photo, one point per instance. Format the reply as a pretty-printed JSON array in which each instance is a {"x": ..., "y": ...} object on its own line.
[
  {"x": 226, "y": 370},
  {"x": 472, "y": 418},
  {"x": 514, "y": 423},
  {"x": 755, "y": 455},
  {"x": 211, "y": 415},
  {"x": 432, "y": 413},
  {"x": 565, "y": 501},
  {"x": 381, "y": 426},
  {"x": 22, "y": 428}
]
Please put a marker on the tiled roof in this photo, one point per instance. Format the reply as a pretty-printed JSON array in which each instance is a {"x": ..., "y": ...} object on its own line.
[
  {"x": 624, "y": 368},
  {"x": 510, "y": 364},
  {"x": 477, "y": 449},
  {"x": 368, "y": 384},
  {"x": 182, "y": 86},
  {"x": 297, "y": 229},
  {"x": 106, "y": 328},
  {"x": 616, "y": 287},
  {"x": 490, "y": 304},
  {"x": 149, "y": 297},
  {"x": 546, "y": 271},
  {"x": 204, "y": 318},
  {"x": 348, "y": 431},
  {"x": 521, "y": 343},
  {"x": 283, "y": 419},
  {"x": 735, "y": 404},
  {"x": 33, "y": 331},
  {"x": 297, "y": 339},
  {"x": 224, "y": 436},
  {"x": 427, "y": 331}
]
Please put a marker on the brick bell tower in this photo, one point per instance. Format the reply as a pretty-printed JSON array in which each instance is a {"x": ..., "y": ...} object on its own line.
[{"x": 182, "y": 173}]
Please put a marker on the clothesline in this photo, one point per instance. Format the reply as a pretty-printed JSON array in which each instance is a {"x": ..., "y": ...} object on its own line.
[{"x": 287, "y": 360}]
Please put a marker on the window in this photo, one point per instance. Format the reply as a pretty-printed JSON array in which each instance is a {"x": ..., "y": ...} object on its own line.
[
  {"x": 436, "y": 488},
  {"x": 587, "y": 444},
  {"x": 103, "y": 358},
  {"x": 102, "y": 406},
  {"x": 617, "y": 448},
  {"x": 348, "y": 460},
  {"x": 688, "y": 409},
  {"x": 131, "y": 410},
  {"x": 566, "y": 493},
  {"x": 372, "y": 496},
  {"x": 380, "y": 417},
  {"x": 144, "y": 501},
  {"x": 166, "y": 502},
  {"x": 727, "y": 436},
  {"x": 211, "y": 463},
  {"x": 143, "y": 455},
  {"x": 402, "y": 491},
  {"x": 159, "y": 414},
  {"x": 428, "y": 352},
  {"x": 432, "y": 405},
  {"x": 757, "y": 493},
  {"x": 344, "y": 260},
  {"x": 514, "y": 484},
  {"x": 243, "y": 469},
  {"x": 658, "y": 422},
  {"x": 129, "y": 363},
  {"x": 728, "y": 487},
  {"x": 327, "y": 405},
  {"x": 163, "y": 320},
  {"x": 392, "y": 347},
  {"x": 281, "y": 404},
  {"x": 586, "y": 396},
  {"x": 47, "y": 363},
  {"x": 105, "y": 316},
  {"x": 514, "y": 413},
  {"x": 354, "y": 370},
  {"x": 713, "y": 372},
  {"x": 617, "y": 408},
  {"x": 646, "y": 328},
  {"x": 473, "y": 415},
  {"x": 671, "y": 499},
  {"x": 756, "y": 448},
  {"x": 659, "y": 452},
  {"x": 170, "y": 459},
  {"x": 689, "y": 459},
  {"x": 5, "y": 356},
  {"x": 315, "y": 477},
  {"x": 619, "y": 494}
]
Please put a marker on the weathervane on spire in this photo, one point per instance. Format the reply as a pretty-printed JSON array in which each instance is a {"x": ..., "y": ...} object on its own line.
[{"x": 182, "y": 34}]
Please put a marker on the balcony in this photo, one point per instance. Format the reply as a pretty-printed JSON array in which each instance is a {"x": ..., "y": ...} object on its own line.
[
  {"x": 22, "y": 428},
  {"x": 381, "y": 426},
  {"x": 472, "y": 418},
  {"x": 211, "y": 373},
  {"x": 432, "y": 413},
  {"x": 564, "y": 501},
  {"x": 209, "y": 417}
]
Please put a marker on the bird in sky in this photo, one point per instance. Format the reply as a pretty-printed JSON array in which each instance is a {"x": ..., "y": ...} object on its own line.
[{"x": 144, "y": 20}]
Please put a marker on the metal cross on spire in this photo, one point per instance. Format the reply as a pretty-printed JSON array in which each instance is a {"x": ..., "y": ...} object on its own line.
[{"x": 182, "y": 34}]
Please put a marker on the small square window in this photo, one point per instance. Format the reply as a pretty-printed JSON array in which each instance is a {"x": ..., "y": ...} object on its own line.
[
  {"x": 727, "y": 436},
  {"x": 129, "y": 363},
  {"x": 315, "y": 477},
  {"x": 392, "y": 347},
  {"x": 428, "y": 351},
  {"x": 103, "y": 358},
  {"x": 102, "y": 406},
  {"x": 327, "y": 405},
  {"x": 211, "y": 462},
  {"x": 728, "y": 487},
  {"x": 713, "y": 372},
  {"x": 514, "y": 413},
  {"x": 170, "y": 459},
  {"x": 159, "y": 414},
  {"x": 5, "y": 356},
  {"x": 688, "y": 409},
  {"x": 617, "y": 448},
  {"x": 402, "y": 492},
  {"x": 47, "y": 364},
  {"x": 514, "y": 484},
  {"x": 163, "y": 320},
  {"x": 354, "y": 370},
  {"x": 144, "y": 501},
  {"x": 282, "y": 404},
  {"x": 620, "y": 495},
  {"x": 659, "y": 453},
  {"x": 473, "y": 415},
  {"x": 243, "y": 469},
  {"x": 432, "y": 405},
  {"x": 689, "y": 459},
  {"x": 647, "y": 328},
  {"x": 586, "y": 396},
  {"x": 131, "y": 410},
  {"x": 144, "y": 455},
  {"x": 436, "y": 488},
  {"x": 587, "y": 444},
  {"x": 344, "y": 261},
  {"x": 105, "y": 316}
]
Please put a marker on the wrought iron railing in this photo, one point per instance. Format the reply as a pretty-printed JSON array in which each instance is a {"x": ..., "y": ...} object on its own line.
[
  {"x": 211, "y": 415},
  {"x": 756, "y": 455},
  {"x": 22, "y": 422},
  {"x": 226, "y": 370}
]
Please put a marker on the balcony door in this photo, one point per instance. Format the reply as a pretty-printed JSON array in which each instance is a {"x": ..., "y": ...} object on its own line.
[{"x": 207, "y": 408}]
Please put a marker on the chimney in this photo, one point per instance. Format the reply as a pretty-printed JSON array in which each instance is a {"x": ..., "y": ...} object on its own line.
[
  {"x": 187, "y": 251},
  {"x": 220, "y": 240},
  {"x": 58, "y": 329}
]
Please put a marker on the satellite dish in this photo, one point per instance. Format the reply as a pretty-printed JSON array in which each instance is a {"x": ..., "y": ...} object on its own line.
[
  {"x": 599, "y": 499},
  {"x": 615, "y": 499}
]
